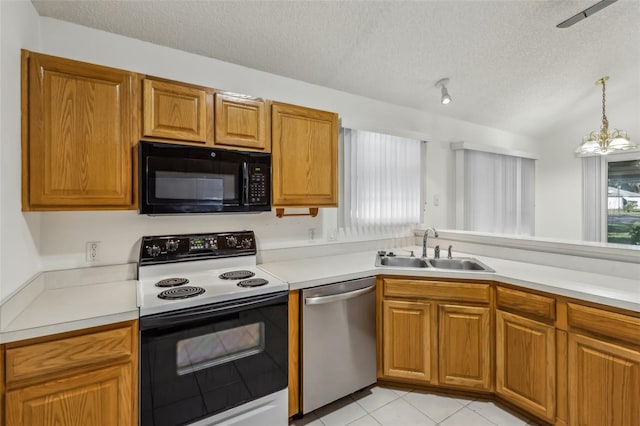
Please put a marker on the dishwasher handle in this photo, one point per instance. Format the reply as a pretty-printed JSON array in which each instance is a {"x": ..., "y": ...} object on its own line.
[{"x": 319, "y": 300}]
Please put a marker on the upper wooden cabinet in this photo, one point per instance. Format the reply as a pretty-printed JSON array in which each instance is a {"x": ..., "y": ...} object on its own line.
[
  {"x": 79, "y": 125},
  {"x": 305, "y": 157},
  {"x": 241, "y": 122},
  {"x": 178, "y": 112}
]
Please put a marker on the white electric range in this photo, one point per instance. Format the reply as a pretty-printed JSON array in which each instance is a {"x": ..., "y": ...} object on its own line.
[{"x": 214, "y": 333}]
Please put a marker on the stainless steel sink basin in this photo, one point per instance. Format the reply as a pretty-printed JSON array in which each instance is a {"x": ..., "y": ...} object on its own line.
[
  {"x": 402, "y": 261},
  {"x": 466, "y": 264},
  {"x": 460, "y": 263}
]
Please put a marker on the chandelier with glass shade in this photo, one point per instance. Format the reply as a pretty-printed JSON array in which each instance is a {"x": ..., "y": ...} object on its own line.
[{"x": 602, "y": 142}]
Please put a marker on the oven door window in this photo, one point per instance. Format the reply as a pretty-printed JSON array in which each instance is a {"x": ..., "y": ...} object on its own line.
[
  {"x": 190, "y": 180},
  {"x": 198, "y": 353},
  {"x": 196, "y": 370}
]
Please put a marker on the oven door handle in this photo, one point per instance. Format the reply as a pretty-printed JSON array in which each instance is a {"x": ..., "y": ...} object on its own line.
[{"x": 190, "y": 315}]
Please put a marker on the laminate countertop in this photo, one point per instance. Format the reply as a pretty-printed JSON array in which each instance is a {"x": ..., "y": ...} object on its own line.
[
  {"x": 604, "y": 289},
  {"x": 61, "y": 301}
]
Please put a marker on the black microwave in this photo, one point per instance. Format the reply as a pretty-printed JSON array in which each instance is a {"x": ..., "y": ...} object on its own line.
[{"x": 178, "y": 179}]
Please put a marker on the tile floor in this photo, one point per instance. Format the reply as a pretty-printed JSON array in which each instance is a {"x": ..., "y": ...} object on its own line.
[{"x": 385, "y": 406}]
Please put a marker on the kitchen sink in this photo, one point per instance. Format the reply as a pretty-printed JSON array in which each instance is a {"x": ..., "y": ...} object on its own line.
[
  {"x": 466, "y": 264},
  {"x": 402, "y": 261},
  {"x": 461, "y": 263}
]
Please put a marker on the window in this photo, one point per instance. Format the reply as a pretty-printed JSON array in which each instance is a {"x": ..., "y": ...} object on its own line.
[
  {"x": 381, "y": 184},
  {"x": 611, "y": 198},
  {"x": 495, "y": 192}
]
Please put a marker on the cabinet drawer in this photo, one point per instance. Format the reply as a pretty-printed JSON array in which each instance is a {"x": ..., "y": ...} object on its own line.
[
  {"x": 437, "y": 290},
  {"x": 609, "y": 324},
  {"x": 527, "y": 304},
  {"x": 49, "y": 358}
]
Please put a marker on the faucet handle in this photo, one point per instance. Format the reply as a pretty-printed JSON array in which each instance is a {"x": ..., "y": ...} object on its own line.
[
  {"x": 449, "y": 256},
  {"x": 436, "y": 252}
]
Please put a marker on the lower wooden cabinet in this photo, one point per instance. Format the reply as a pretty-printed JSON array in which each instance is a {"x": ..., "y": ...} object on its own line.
[
  {"x": 84, "y": 378},
  {"x": 430, "y": 334},
  {"x": 604, "y": 383},
  {"x": 407, "y": 350},
  {"x": 464, "y": 346},
  {"x": 526, "y": 363},
  {"x": 102, "y": 397}
]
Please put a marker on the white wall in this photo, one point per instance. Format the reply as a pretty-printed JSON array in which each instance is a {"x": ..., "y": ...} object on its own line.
[
  {"x": 19, "y": 233},
  {"x": 559, "y": 171},
  {"x": 62, "y": 235}
]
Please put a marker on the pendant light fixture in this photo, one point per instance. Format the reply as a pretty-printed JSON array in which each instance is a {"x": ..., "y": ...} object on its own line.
[
  {"x": 442, "y": 85},
  {"x": 602, "y": 141}
]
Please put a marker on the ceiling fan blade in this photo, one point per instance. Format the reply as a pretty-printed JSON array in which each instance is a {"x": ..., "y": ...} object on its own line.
[{"x": 585, "y": 13}]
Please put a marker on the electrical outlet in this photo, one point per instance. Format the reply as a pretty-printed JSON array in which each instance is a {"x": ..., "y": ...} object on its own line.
[
  {"x": 333, "y": 234},
  {"x": 312, "y": 234},
  {"x": 93, "y": 251}
]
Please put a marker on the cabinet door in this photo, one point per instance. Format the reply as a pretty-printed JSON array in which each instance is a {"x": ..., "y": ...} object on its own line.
[
  {"x": 526, "y": 363},
  {"x": 305, "y": 157},
  {"x": 465, "y": 346},
  {"x": 604, "y": 383},
  {"x": 81, "y": 130},
  {"x": 178, "y": 112},
  {"x": 406, "y": 338},
  {"x": 241, "y": 123},
  {"x": 99, "y": 398}
]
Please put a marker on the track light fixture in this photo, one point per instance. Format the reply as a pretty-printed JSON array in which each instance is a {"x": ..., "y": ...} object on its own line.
[{"x": 442, "y": 85}]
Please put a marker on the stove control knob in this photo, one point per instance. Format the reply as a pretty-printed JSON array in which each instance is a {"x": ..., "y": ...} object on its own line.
[
  {"x": 153, "y": 250},
  {"x": 232, "y": 241},
  {"x": 172, "y": 245},
  {"x": 246, "y": 243}
]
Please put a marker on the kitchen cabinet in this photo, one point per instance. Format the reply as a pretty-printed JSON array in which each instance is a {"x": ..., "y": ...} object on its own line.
[
  {"x": 305, "y": 156},
  {"x": 603, "y": 367},
  {"x": 464, "y": 346},
  {"x": 436, "y": 332},
  {"x": 178, "y": 112},
  {"x": 241, "y": 123},
  {"x": 526, "y": 351},
  {"x": 408, "y": 328},
  {"x": 78, "y": 129},
  {"x": 294, "y": 352},
  {"x": 84, "y": 378}
]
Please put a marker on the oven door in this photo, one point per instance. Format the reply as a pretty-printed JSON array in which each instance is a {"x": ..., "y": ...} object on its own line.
[{"x": 204, "y": 360}]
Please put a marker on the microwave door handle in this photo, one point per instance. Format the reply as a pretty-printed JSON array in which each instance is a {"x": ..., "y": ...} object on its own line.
[{"x": 245, "y": 183}]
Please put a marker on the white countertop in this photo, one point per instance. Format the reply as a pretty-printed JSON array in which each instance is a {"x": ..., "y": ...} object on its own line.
[
  {"x": 598, "y": 288},
  {"x": 47, "y": 307},
  {"x": 62, "y": 301}
]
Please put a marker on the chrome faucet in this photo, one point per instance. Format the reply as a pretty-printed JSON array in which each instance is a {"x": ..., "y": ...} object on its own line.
[{"x": 425, "y": 237}]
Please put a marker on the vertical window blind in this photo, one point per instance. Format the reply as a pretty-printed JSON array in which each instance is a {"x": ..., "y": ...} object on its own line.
[
  {"x": 594, "y": 195},
  {"x": 382, "y": 178},
  {"x": 498, "y": 193}
]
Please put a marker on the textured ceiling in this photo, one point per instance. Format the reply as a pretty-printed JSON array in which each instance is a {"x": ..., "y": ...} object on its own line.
[{"x": 509, "y": 66}]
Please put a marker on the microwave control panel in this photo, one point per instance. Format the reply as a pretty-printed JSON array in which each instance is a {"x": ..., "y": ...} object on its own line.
[{"x": 258, "y": 185}]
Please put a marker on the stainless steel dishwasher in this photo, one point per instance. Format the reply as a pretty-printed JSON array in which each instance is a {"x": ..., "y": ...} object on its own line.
[{"x": 338, "y": 341}]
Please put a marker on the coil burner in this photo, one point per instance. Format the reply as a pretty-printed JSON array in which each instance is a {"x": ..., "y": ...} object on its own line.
[
  {"x": 181, "y": 292},
  {"x": 172, "y": 282},
  {"x": 253, "y": 282},
  {"x": 236, "y": 275}
]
